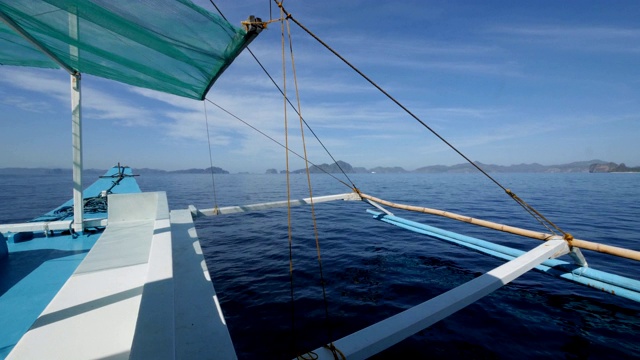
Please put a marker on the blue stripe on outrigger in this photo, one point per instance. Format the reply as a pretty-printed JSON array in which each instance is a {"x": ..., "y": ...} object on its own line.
[
  {"x": 36, "y": 269},
  {"x": 611, "y": 283}
]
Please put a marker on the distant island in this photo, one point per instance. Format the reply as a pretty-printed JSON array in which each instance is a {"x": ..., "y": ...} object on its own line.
[
  {"x": 592, "y": 166},
  {"x": 612, "y": 167},
  {"x": 215, "y": 169},
  {"x": 45, "y": 171}
]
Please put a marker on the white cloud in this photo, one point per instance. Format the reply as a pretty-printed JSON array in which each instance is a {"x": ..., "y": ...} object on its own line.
[
  {"x": 25, "y": 103},
  {"x": 54, "y": 84},
  {"x": 576, "y": 38},
  {"x": 47, "y": 82}
]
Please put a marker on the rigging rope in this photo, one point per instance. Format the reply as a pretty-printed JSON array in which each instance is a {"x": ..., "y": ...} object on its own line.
[
  {"x": 213, "y": 181},
  {"x": 91, "y": 205},
  {"x": 313, "y": 213},
  {"x": 337, "y": 354},
  {"x": 533, "y": 212},
  {"x": 277, "y": 142},
  {"x": 353, "y": 186},
  {"x": 539, "y": 217},
  {"x": 289, "y": 226}
]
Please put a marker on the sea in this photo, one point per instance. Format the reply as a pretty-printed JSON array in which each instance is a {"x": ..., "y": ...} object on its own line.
[{"x": 372, "y": 270}]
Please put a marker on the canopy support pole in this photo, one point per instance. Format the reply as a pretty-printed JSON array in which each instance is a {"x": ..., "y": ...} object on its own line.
[
  {"x": 76, "y": 128},
  {"x": 76, "y": 116},
  {"x": 76, "y": 133}
]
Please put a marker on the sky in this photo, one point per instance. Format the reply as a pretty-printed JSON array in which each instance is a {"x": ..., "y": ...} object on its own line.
[{"x": 505, "y": 82}]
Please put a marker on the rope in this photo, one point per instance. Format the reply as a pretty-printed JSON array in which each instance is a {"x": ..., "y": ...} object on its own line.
[
  {"x": 289, "y": 227},
  {"x": 213, "y": 181},
  {"x": 337, "y": 354},
  {"x": 308, "y": 356},
  {"x": 91, "y": 205},
  {"x": 522, "y": 203},
  {"x": 313, "y": 213},
  {"x": 95, "y": 204},
  {"x": 261, "y": 23},
  {"x": 303, "y": 120},
  {"x": 532, "y": 211},
  {"x": 330, "y": 346},
  {"x": 543, "y": 220},
  {"x": 353, "y": 186},
  {"x": 279, "y": 143},
  {"x": 218, "y": 10}
]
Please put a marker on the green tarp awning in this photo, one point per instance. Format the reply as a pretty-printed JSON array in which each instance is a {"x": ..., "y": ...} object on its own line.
[{"x": 171, "y": 46}]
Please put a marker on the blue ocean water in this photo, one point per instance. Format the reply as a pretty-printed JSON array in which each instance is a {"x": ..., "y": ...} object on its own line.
[{"x": 373, "y": 270}]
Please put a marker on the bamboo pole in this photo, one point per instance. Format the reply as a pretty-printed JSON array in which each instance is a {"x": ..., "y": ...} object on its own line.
[{"x": 582, "y": 244}]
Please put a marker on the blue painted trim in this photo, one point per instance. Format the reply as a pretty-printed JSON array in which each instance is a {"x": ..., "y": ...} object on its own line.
[
  {"x": 611, "y": 283},
  {"x": 127, "y": 185},
  {"x": 36, "y": 267},
  {"x": 4, "y": 250}
]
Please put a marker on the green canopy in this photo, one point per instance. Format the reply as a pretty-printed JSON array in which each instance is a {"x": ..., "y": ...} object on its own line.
[{"x": 171, "y": 46}]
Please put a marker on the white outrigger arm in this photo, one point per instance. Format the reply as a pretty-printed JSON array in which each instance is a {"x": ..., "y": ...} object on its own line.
[
  {"x": 76, "y": 113},
  {"x": 382, "y": 335}
]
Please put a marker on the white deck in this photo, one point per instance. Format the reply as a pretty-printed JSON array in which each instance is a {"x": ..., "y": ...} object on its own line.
[{"x": 142, "y": 292}]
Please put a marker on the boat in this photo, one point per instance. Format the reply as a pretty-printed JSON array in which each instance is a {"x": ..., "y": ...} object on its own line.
[{"x": 114, "y": 273}]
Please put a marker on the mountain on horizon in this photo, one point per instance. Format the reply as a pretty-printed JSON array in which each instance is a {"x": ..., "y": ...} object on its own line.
[
  {"x": 590, "y": 166},
  {"x": 594, "y": 165}
]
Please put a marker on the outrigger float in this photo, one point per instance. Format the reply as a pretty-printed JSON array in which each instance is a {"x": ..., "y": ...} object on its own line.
[{"x": 113, "y": 273}]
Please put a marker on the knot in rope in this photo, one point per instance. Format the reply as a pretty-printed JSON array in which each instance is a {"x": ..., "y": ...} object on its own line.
[
  {"x": 568, "y": 237},
  {"x": 308, "y": 356},
  {"x": 337, "y": 354}
]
